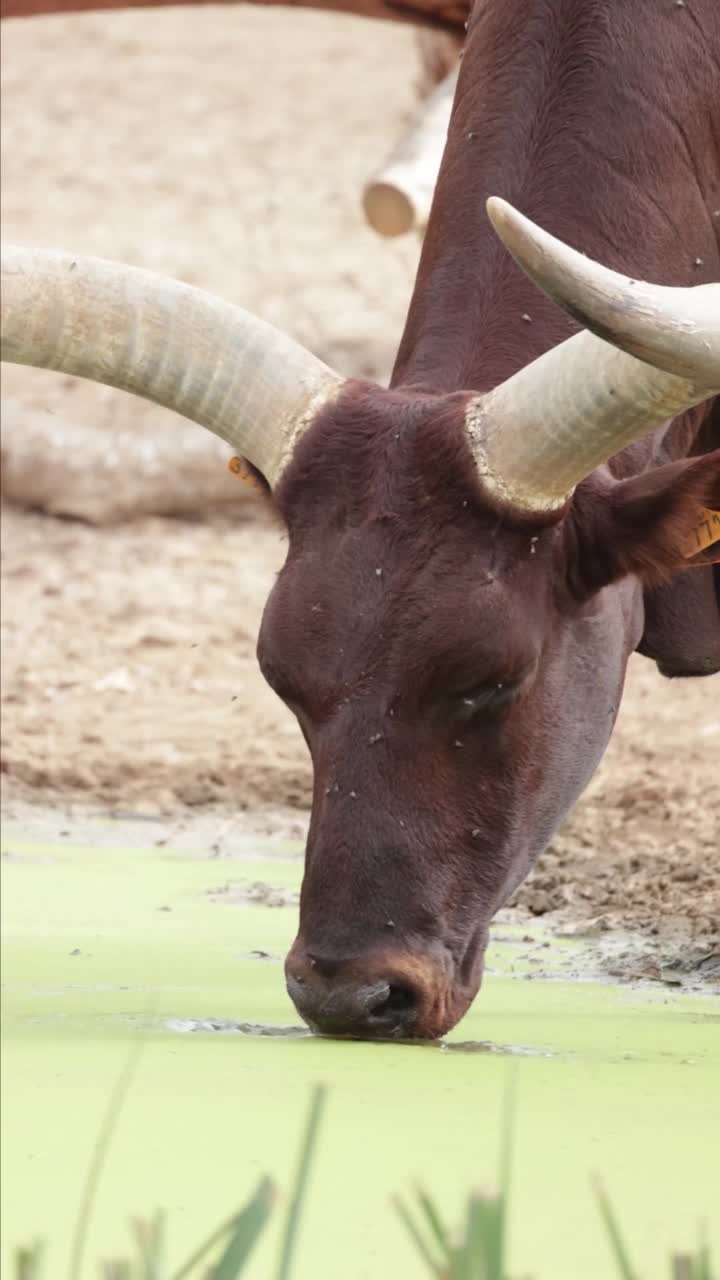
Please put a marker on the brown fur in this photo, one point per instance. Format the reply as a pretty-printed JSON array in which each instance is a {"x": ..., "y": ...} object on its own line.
[{"x": 406, "y": 588}]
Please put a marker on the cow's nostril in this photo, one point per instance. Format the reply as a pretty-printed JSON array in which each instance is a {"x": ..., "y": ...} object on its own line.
[
  {"x": 396, "y": 1003},
  {"x": 378, "y": 1007}
]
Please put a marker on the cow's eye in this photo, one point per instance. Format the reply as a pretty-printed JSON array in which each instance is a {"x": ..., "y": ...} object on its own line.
[
  {"x": 492, "y": 697},
  {"x": 485, "y": 699}
]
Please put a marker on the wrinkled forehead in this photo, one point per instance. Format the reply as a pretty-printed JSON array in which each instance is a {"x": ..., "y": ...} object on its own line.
[
  {"x": 412, "y": 594},
  {"x": 392, "y": 543}
]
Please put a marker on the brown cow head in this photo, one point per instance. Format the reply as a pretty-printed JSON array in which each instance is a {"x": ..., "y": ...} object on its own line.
[
  {"x": 460, "y": 595},
  {"x": 456, "y": 669}
]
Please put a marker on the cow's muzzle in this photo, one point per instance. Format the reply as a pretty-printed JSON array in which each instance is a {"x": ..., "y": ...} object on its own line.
[{"x": 385, "y": 994}]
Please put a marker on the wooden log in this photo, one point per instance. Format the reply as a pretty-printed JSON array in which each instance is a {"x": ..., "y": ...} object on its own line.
[
  {"x": 440, "y": 15},
  {"x": 86, "y": 473},
  {"x": 398, "y": 199},
  {"x": 438, "y": 54}
]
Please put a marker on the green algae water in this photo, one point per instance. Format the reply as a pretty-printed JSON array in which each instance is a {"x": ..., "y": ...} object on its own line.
[{"x": 105, "y": 943}]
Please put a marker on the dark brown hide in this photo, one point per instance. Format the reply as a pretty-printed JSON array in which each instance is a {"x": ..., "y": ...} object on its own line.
[
  {"x": 456, "y": 671},
  {"x": 601, "y": 121},
  {"x": 408, "y": 596}
]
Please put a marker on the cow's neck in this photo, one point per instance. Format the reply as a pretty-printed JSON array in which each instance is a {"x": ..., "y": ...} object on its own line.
[{"x": 596, "y": 120}]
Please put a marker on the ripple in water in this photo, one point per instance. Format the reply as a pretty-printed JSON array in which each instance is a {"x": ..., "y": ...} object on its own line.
[
  {"x": 185, "y": 1025},
  {"x": 227, "y": 1027}
]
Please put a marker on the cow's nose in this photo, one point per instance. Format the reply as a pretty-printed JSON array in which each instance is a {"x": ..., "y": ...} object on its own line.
[{"x": 345, "y": 1006}]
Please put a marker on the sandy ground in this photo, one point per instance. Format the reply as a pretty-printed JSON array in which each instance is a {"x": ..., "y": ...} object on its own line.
[{"x": 229, "y": 147}]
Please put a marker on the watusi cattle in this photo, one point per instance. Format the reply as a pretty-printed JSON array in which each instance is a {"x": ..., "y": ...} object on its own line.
[{"x": 474, "y": 552}]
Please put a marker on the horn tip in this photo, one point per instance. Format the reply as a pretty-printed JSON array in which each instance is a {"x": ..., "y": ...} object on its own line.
[
  {"x": 512, "y": 227},
  {"x": 497, "y": 209}
]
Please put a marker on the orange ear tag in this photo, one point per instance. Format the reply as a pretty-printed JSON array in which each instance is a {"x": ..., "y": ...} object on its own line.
[
  {"x": 705, "y": 534},
  {"x": 239, "y": 468}
]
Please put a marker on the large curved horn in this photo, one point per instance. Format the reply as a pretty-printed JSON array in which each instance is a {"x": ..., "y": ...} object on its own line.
[
  {"x": 648, "y": 352},
  {"x": 167, "y": 342}
]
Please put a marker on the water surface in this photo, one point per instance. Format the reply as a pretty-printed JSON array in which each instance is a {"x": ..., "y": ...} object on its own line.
[{"x": 108, "y": 941}]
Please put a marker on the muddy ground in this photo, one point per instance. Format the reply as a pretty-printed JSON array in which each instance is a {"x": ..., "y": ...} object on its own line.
[{"x": 229, "y": 146}]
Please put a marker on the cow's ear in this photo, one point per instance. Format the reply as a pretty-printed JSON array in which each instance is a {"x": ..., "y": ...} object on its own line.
[{"x": 643, "y": 526}]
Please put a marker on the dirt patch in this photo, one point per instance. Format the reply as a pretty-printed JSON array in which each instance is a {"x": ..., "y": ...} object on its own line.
[
  {"x": 642, "y": 845},
  {"x": 258, "y": 894},
  {"x": 130, "y": 680}
]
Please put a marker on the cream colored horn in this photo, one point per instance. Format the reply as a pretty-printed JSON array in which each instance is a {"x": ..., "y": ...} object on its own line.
[
  {"x": 541, "y": 432},
  {"x": 167, "y": 342}
]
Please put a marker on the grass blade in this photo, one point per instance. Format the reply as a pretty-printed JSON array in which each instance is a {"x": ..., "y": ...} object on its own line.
[
  {"x": 150, "y": 1236},
  {"x": 203, "y": 1250},
  {"x": 468, "y": 1258},
  {"x": 702, "y": 1269},
  {"x": 301, "y": 1182},
  {"x": 29, "y": 1261},
  {"x": 248, "y": 1225},
  {"x": 498, "y": 1233},
  {"x": 480, "y": 1246},
  {"x": 413, "y": 1230},
  {"x": 98, "y": 1158},
  {"x": 434, "y": 1221},
  {"x": 612, "y": 1227}
]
